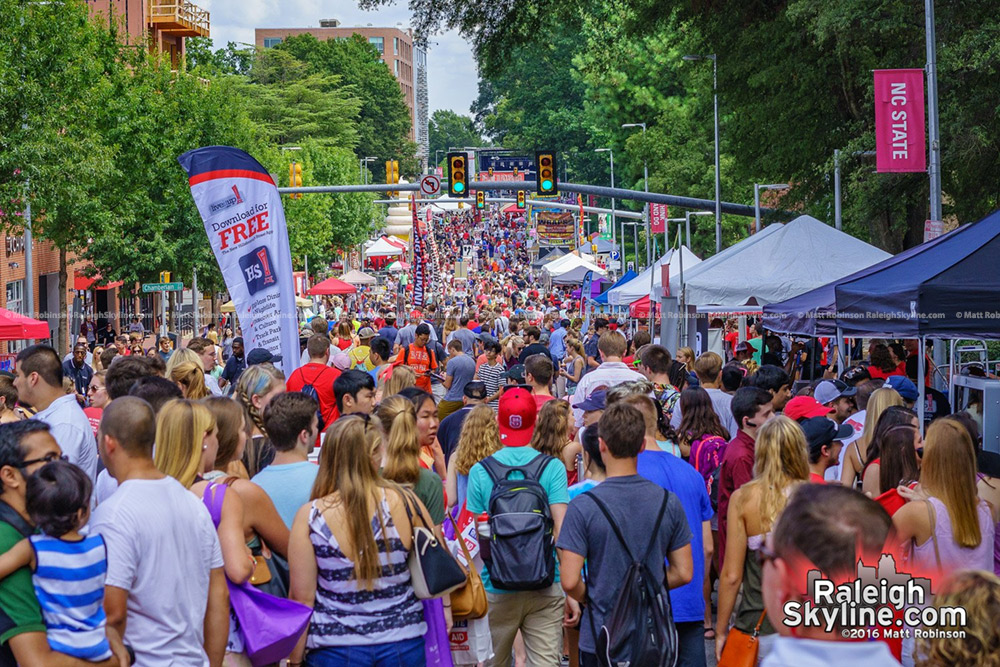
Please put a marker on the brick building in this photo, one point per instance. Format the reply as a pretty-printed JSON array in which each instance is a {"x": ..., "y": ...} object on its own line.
[
  {"x": 406, "y": 60},
  {"x": 163, "y": 24}
]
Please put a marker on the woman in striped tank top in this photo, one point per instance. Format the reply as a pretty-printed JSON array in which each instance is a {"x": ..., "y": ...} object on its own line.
[
  {"x": 67, "y": 568},
  {"x": 347, "y": 555}
]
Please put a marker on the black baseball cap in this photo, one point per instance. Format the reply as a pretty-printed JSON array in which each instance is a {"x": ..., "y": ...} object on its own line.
[
  {"x": 516, "y": 373},
  {"x": 259, "y": 355},
  {"x": 823, "y": 431},
  {"x": 475, "y": 391}
]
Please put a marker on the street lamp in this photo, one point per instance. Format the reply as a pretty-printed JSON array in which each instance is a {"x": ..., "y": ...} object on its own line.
[
  {"x": 645, "y": 179},
  {"x": 757, "y": 187},
  {"x": 364, "y": 170},
  {"x": 718, "y": 182},
  {"x": 614, "y": 239}
]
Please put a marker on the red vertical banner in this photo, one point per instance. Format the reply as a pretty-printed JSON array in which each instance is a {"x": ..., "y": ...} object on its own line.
[
  {"x": 658, "y": 214},
  {"x": 900, "y": 129}
]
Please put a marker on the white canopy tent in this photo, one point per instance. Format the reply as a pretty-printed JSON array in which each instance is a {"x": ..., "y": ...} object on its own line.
[
  {"x": 355, "y": 277},
  {"x": 638, "y": 287},
  {"x": 782, "y": 261},
  {"x": 567, "y": 263},
  {"x": 382, "y": 248},
  {"x": 439, "y": 206}
]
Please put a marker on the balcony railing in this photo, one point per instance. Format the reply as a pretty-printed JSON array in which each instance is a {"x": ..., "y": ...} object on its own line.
[{"x": 178, "y": 17}]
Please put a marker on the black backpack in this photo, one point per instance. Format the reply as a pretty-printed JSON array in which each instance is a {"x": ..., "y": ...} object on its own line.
[
  {"x": 639, "y": 629},
  {"x": 522, "y": 557},
  {"x": 309, "y": 390}
]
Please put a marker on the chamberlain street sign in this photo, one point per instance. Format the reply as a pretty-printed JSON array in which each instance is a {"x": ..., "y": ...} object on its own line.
[{"x": 162, "y": 287}]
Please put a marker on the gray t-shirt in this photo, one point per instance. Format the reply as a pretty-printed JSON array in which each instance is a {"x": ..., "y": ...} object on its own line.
[
  {"x": 406, "y": 335},
  {"x": 461, "y": 368},
  {"x": 586, "y": 531},
  {"x": 468, "y": 338}
]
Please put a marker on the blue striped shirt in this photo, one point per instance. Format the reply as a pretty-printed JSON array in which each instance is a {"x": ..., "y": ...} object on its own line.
[{"x": 69, "y": 584}]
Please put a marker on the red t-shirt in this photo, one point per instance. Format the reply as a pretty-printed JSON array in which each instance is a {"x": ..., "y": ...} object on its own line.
[
  {"x": 321, "y": 378},
  {"x": 818, "y": 479},
  {"x": 541, "y": 400},
  {"x": 94, "y": 416}
]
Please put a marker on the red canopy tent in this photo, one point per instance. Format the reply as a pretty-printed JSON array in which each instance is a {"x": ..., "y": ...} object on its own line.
[
  {"x": 332, "y": 286},
  {"x": 82, "y": 282},
  {"x": 14, "y": 326},
  {"x": 640, "y": 308}
]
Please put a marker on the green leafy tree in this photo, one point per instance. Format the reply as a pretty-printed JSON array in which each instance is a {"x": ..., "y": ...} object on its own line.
[{"x": 448, "y": 129}]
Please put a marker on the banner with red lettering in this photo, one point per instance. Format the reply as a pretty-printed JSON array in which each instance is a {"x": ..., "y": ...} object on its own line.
[
  {"x": 900, "y": 132},
  {"x": 245, "y": 223},
  {"x": 658, "y": 214}
]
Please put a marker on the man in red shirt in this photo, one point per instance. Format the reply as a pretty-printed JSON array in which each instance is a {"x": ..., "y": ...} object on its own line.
[
  {"x": 320, "y": 376},
  {"x": 538, "y": 371},
  {"x": 751, "y": 408},
  {"x": 419, "y": 357}
]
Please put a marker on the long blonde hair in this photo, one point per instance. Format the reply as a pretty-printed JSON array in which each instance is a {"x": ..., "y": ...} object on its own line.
[
  {"x": 181, "y": 427},
  {"x": 402, "y": 378},
  {"x": 191, "y": 379},
  {"x": 948, "y": 472},
  {"x": 402, "y": 443},
  {"x": 779, "y": 463},
  {"x": 549, "y": 436},
  {"x": 480, "y": 437},
  {"x": 880, "y": 399},
  {"x": 688, "y": 354},
  {"x": 346, "y": 470}
]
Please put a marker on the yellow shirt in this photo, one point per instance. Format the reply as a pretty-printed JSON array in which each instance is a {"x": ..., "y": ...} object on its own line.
[{"x": 361, "y": 358}]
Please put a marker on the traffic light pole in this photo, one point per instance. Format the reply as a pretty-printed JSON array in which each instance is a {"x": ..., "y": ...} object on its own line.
[{"x": 598, "y": 190}]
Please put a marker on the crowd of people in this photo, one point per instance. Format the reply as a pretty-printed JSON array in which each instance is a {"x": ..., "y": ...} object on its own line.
[{"x": 573, "y": 472}]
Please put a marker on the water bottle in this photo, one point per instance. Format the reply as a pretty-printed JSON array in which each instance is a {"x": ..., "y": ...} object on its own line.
[{"x": 483, "y": 531}]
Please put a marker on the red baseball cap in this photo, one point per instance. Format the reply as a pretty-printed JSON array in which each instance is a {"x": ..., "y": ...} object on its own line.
[
  {"x": 804, "y": 407},
  {"x": 516, "y": 417}
]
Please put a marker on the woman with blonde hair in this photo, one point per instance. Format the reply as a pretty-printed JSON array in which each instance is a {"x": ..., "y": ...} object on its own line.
[
  {"x": 398, "y": 418},
  {"x": 780, "y": 464},
  {"x": 257, "y": 385},
  {"x": 401, "y": 378},
  {"x": 344, "y": 340},
  {"x": 479, "y": 438},
  {"x": 554, "y": 429},
  {"x": 347, "y": 555},
  {"x": 191, "y": 379},
  {"x": 573, "y": 364},
  {"x": 512, "y": 351},
  {"x": 947, "y": 526},
  {"x": 180, "y": 356},
  {"x": 96, "y": 359},
  {"x": 450, "y": 325},
  {"x": 857, "y": 453},
  {"x": 685, "y": 355}
]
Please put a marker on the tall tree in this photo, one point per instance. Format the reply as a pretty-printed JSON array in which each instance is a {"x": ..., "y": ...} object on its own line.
[{"x": 448, "y": 129}]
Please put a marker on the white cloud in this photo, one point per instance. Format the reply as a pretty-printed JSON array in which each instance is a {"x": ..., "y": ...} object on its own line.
[{"x": 452, "y": 79}]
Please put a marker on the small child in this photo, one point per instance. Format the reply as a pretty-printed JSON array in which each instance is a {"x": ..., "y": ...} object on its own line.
[{"x": 68, "y": 569}]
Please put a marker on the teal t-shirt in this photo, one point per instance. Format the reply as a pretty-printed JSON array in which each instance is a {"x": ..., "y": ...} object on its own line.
[
  {"x": 757, "y": 344},
  {"x": 288, "y": 485},
  {"x": 481, "y": 486}
]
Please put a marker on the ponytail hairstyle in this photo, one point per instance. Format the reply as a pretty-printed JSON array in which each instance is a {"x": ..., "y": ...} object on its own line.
[
  {"x": 191, "y": 379},
  {"x": 402, "y": 445}
]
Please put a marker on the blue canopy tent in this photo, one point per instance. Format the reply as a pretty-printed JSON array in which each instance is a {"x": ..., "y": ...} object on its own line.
[
  {"x": 602, "y": 300},
  {"x": 936, "y": 291},
  {"x": 813, "y": 313}
]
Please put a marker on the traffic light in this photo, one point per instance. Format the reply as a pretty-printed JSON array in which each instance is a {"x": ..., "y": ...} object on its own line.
[
  {"x": 164, "y": 276},
  {"x": 520, "y": 198},
  {"x": 480, "y": 199},
  {"x": 515, "y": 171},
  {"x": 490, "y": 171},
  {"x": 295, "y": 178},
  {"x": 458, "y": 175},
  {"x": 392, "y": 175},
  {"x": 546, "y": 182}
]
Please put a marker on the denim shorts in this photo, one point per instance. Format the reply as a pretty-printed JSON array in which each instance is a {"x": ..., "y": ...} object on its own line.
[{"x": 405, "y": 653}]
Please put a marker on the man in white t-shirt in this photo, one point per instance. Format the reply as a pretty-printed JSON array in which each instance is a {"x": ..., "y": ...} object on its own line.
[
  {"x": 165, "y": 590},
  {"x": 611, "y": 372}
]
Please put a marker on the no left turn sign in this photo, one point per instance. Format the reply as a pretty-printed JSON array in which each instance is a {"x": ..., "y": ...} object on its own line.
[{"x": 430, "y": 185}]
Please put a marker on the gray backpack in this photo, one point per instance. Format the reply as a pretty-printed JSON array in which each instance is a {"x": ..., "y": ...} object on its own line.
[{"x": 522, "y": 557}]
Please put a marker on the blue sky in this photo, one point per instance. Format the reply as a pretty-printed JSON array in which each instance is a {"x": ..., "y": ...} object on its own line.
[{"x": 451, "y": 67}]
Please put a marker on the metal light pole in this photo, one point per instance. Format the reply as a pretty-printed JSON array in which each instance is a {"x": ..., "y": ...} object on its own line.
[
  {"x": 364, "y": 167},
  {"x": 757, "y": 187},
  {"x": 614, "y": 236},
  {"x": 645, "y": 180},
  {"x": 838, "y": 222},
  {"x": 933, "y": 129},
  {"x": 718, "y": 180}
]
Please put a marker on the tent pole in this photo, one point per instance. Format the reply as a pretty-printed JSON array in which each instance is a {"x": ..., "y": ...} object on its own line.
[
  {"x": 841, "y": 361},
  {"x": 921, "y": 385}
]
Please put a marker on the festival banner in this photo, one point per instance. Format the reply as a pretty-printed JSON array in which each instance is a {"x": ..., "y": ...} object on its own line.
[
  {"x": 658, "y": 214},
  {"x": 900, "y": 141},
  {"x": 555, "y": 228},
  {"x": 419, "y": 267},
  {"x": 245, "y": 222}
]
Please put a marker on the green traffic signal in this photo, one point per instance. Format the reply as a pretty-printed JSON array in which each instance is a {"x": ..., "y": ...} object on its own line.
[
  {"x": 459, "y": 187},
  {"x": 546, "y": 185}
]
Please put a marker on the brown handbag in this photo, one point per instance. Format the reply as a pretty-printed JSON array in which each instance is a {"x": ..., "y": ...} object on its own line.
[
  {"x": 469, "y": 601},
  {"x": 741, "y": 649}
]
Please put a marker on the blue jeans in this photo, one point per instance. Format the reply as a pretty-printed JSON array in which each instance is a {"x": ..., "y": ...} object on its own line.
[{"x": 405, "y": 653}]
